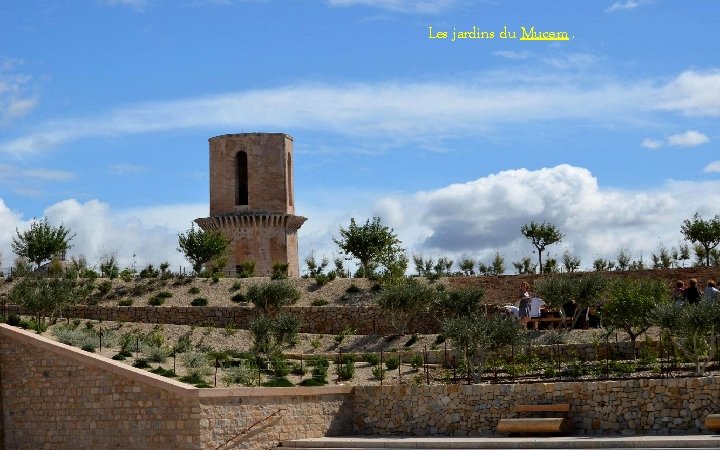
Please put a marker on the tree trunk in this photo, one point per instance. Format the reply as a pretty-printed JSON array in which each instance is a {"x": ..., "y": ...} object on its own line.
[{"x": 540, "y": 260}]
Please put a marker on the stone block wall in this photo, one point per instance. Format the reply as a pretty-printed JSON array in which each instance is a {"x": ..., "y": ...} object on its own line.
[
  {"x": 55, "y": 396},
  {"x": 315, "y": 319},
  {"x": 640, "y": 406}
]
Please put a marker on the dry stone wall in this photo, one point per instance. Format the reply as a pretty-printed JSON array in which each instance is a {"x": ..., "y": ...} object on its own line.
[
  {"x": 640, "y": 406},
  {"x": 315, "y": 319},
  {"x": 55, "y": 396}
]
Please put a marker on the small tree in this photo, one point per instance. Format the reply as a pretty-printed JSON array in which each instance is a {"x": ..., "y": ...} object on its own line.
[
  {"x": 458, "y": 303},
  {"x": 524, "y": 266},
  {"x": 630, "y": 305},
  {"x": 570, "y": 262},
  {"x": 404, "y": 299},
  {"x": 541, "y": 235},
  {"x": 372, "y": 242},
  {"x": 109, "y": 266},
  {"x": 623, "y": 260},
  {"x": 476, "y": 335},
  {"x": 273, "y": 295},
  {"x": 704, "y": 232},
  {"x": 45, "y": 296},
  {"x": 498, "y": 264},
  {"x": 467, "y": 266},
  {"x": 41, "y": 242},
  {"x": 200, "y": 246}
]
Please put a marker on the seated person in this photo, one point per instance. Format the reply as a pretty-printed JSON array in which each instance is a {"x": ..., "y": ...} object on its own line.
[
  {"x": 512, "y": 310},
  {"x": 692, "y": 293},
  {"x": 537, "y": 305},
  {"x": 711, "y": 291}
]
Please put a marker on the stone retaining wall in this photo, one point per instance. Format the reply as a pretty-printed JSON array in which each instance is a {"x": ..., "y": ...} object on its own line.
[
  {"x": 315, "y": 319},
  {"x": 56, "y": 396},
  {"x": 659, "y": 406}
]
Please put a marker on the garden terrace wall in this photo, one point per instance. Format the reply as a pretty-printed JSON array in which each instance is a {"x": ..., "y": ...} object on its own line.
[
  {"x": 315, "y": 319},
  {"x": 639, "y": 406},
  {"x": 55, "y": 396}
]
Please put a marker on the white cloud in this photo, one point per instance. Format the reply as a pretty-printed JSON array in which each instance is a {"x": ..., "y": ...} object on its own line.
[
  {"x": 389, "y": 111},
  {"x": 16, "y": 96},
  {"x": 406, "y": 6},
  {"x": 692, "y": 93},
  {"x": 651, "y": 143},
  {"x": 690, "y": 138},
  {"x": 713, "y": 167},
  {"x": 132, "y": 3},
  {"x": 621, "y": 5},
  {"x": 149, "y": 233},
  {"x": 475, "y": 218},
  {"x": 12, "y": 174},
  {"x": 482, "y": 216}
]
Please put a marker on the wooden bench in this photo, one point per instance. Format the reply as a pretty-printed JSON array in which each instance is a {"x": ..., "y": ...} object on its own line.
[
  {"x": 537, "y": 425},
  {"x": 712, "y": 422},
  {"x": 552, "y": 322}
]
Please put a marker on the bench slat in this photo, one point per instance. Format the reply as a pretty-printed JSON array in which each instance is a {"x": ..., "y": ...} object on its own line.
[
  {"x": 559, "y": 407},
  {"x": 534, "y": 425},
  {"x": 712, "y": 422}
]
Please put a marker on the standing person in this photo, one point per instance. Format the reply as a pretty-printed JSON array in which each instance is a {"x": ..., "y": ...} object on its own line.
[
  {"x": 524, "y": 305},
  {"x": 537, "y": 305},
  {"x": 678, "y": 294},
  {"x": 692, "y": 293},
  {"x": 711, "y": 291}
]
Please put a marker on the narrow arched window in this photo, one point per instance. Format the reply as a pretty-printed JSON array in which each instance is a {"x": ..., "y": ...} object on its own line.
[
  {"x": 241, "y": 197},
  {"x": 289, "y": 180}
]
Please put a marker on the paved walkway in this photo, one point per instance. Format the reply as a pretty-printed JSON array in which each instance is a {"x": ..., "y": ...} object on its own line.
[{"x": 565, "y": 442}]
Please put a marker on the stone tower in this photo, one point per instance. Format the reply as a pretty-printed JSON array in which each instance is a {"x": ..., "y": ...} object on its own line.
[{"x": 252, "y": 199}]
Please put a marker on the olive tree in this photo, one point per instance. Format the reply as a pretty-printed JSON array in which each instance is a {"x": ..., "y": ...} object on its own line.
[
  {"x": 41, "y": 242},
  {"x": 272, "y": 295},
  {"x": 691, "y": 327},
  {"x": 630, "y": 304},
  {"x": 201, "y": 246},
  {"x": 404, "y": 299},
  {"x": 585, "y": 291},
  {"x": 369, "y": 243},
  {"x": 541, "y": 235},
  {"x": 704, "y": 232},
  {"x": 476, "y": 335},
  {"x": 48, "y": 296}
]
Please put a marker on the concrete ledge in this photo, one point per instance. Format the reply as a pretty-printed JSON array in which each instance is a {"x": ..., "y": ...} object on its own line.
[{"x": 151, "y": 379}]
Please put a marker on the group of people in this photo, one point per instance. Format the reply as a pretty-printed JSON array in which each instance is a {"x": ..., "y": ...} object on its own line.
[
  {"x": 530, "y": 306},
  {"x": 693, "y": 294}
]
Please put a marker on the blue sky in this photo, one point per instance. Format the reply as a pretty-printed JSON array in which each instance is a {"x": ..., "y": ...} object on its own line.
[{"x": 106, "y": 107}]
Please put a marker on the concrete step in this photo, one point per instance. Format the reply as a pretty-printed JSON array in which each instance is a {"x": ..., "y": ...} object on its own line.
[{"x": 501, "y": 443}]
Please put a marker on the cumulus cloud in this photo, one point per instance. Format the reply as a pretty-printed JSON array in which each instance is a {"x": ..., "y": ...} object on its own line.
[
  {"x": 405, "y": 6},
  {"x": 149, "y": 233},
  {"x": 690, "y": 138},
  {"x": 16, "y": 96},
  {"x": 482, "y": 216},
  {"x": 713, "y": 167},
  {"x": 693, "y": 93}
]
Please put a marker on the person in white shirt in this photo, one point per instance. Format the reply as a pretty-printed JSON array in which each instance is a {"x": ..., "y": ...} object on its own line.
[{"x": 536, "y": 306}]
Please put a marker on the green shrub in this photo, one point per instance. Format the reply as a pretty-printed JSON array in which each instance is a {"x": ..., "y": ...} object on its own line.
[
  {"x": 321, "y": 279},
  {"x": 298, "y": 369},
  {"x": 104, "y": 287},
  {"x": 392, "y": 362},
  {"x": 156, "y": 301},
  {"x": 194, "y": 290},
  {"x": 340, "y": 337},
  {"x": 125, "y": 302},
  {"x": 416, "y": 361},
  {"x": 346, "y": 368},
  {"x": 319, "y": 302},
  {"x": 236, "y": 286},
  {"x": 413, "y": 339},
  {"x": 273, "y": 295},
  {"x": 376, "y": 287},
  {"x": 320, "y": 367},
  {"x": 149, "y": 272},
  {"x": 245, "y": 374},
  {"x": 238, "y": 298},
  {"x": 164, "y": 372},
  {"x": 156, "y": 354},
  {"x": 119, "y": 357},
  {"x": 279, "y": 271},
  {"x": 378, "y": 372},
  {"x": 193, "y": 378},
  {"x": 280, "y": 366},
  {"x": 141, "y": 364},
  {"x": 200, "y": 301},
  {"x": 247, "y": 269},
  {"x": 164, "y": 294},
  {"x": 353, "y": 289},
  {"x": 313, "y": 382},
  {"x": 372, "y": 358}
]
